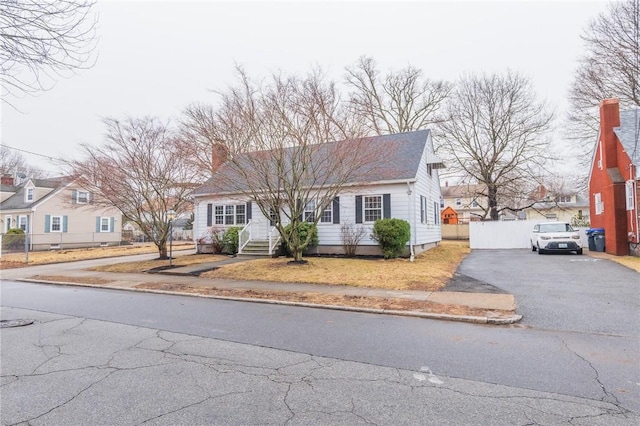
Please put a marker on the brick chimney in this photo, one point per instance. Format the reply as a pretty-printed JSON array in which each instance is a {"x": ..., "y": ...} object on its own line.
[
  {"x": 609, "y": 118},
  {"x": 219, "y": 156},
  {"x": 6, "y": 179}
]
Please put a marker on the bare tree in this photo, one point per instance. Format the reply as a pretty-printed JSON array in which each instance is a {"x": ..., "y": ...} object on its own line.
[
  {"x": 201, "y": 140},
  {"x": 41, "y": 40},
  {"x": 609, "y": 68},
  {"x": 495, "y": 136},
  {"x": 13, "y": 162},
  {"x": 139, "y": 170},
  {"x": 284, "y": 156},
  {"x": 400, "y": 101}
]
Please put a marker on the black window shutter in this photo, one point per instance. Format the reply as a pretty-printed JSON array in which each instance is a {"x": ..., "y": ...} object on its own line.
[
  {"x": 386, "y": 206},
  {"x": 336, "y": 210},
  {"x": 248, "y": 211},
  {"x": 422, "y": 209},
  {"x": 74, "y": 196},
  {"x": 209, "y": 214},
  {"x": 358, "y": 208}
]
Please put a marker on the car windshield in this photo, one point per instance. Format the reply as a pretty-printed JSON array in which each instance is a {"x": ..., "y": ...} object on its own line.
[{"x": 556, "y": 227}]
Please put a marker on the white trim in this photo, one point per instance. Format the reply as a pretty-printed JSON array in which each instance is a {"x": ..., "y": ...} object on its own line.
[
  {"x": 364, "y": 208},
  {"x": 51, "y": 223},
  {"x": 102, "y": 219}
]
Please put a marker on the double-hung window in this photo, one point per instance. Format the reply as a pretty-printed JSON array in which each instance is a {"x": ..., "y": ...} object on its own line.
[
  {"x": 372, "y": 208},
  {"x": 82, "y": 197},
  {"x": 327, "y": 214},
  {"x": 232, "y": 214},
  {"x": 29, "y": 196},
  {"x": 219, "y": 215},
  {"x": 309, "y": 211},
  {"x": 56, "y": 224},
  {"x": 22, "y": 223},
  {"x": 105, "y": 224}
]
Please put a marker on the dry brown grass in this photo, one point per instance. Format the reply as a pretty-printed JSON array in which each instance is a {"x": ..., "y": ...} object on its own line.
[
  {"x": 631, "y": 262},
  {"x": 429, "y": 272},
  {"x": 17, "y": 260},
  {"x": 393, "y": 304},
  {"x": 68, "y": 279},
  {"x": 143, "y": 266}
]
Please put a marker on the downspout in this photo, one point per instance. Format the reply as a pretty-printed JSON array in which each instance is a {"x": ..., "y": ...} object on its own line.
[
  {"x": 412, "y": 217},
  {"x": 634, "y": 193}
]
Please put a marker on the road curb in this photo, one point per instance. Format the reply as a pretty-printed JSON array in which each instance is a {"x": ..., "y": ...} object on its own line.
[{"x": 427, "y": 315}]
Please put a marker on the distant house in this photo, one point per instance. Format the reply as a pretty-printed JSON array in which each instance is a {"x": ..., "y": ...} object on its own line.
[
  {"x": 562, "y": 205},
  {"x": 466, "y": 200},
  {"x": 55, "y": 213},
  {"x": 409, "y": 190},
  {"x": 613, "y": 182}
]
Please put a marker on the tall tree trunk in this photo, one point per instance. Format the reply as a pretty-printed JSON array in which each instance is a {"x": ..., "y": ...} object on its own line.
[{"x": 493, "y": 202}]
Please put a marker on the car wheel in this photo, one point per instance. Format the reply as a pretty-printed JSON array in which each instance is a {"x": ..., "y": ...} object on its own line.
[
  {"x": 579, "y": 251},
  {"x": 540, "y": 251},
  {"x": 533, "y": 248}
]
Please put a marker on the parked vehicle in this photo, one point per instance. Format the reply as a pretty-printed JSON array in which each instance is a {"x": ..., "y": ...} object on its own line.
[{"x": 555, "y": 237}]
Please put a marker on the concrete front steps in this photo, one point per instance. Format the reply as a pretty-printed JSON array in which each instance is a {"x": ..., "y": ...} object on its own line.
[{"x": 258, "y": 248}]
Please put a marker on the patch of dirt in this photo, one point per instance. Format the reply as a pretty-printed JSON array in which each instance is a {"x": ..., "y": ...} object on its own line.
[
  {"x": 7, "y": 264},
  {"x": 327, "y": 299},
  {"x": 64, "y": 279}
]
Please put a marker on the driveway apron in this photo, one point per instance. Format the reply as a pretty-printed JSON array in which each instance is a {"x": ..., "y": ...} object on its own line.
[{"x": 562, "y": 291}]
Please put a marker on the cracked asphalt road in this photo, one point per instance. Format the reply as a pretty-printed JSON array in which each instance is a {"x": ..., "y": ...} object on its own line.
[{"x": 70, "y": 370}]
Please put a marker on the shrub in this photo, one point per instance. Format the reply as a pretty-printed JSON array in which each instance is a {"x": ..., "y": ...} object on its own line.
[
  {"x": 304, "y": 228},
  {"x": 230, "y": 239},
  {"x": 14, "y": 239},
  {"x": 213, "y": 237},
  {"x": 351, "y": 237},
  {"x": 392, "y": 235}
]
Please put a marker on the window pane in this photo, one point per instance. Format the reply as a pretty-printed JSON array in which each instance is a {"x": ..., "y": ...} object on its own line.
[
  {"x": 327, "y": 216},
  {"x": 372, "y": 208},
  {"x": 104, "y": 224},
  {"x": 219, "y": 215},
  {"x": 55, "y": 223}
]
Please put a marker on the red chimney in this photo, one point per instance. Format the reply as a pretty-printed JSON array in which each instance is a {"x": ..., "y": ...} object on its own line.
[
  {"x": 609, "y": 118},
  {"x": 7, "y": 179},
  {"x": 218, "y": 156}
]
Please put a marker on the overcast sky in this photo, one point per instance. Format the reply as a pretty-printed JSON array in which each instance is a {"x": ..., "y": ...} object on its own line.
[{"x": 154, "y": 58}]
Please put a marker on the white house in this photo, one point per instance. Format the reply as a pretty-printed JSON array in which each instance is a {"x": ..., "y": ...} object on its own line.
[{"x": 409, "y": 190}]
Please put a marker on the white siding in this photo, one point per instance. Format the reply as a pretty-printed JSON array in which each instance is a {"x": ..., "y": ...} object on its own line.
[{"x": 403, "y": 206}]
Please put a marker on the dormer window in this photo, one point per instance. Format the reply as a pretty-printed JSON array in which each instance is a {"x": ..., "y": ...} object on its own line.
[
  {"x": 29, "y": 195},
  {"x": 83, "y": 197}
]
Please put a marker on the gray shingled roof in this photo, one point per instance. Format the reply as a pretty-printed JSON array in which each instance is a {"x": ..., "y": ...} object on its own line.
[
  {"x": 629, "y": 132},
  {"x": 16, "y": 201},
  {"x": 403, "y": 152}
]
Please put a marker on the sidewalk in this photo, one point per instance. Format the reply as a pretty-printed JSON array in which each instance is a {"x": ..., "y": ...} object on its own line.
[{"x": 496, "y": 308}]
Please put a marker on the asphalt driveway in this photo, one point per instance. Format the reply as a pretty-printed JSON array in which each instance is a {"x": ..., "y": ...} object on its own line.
[{"x": 562, "y": 291}]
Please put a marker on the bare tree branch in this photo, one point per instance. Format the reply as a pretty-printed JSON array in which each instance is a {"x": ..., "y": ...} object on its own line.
[
  {"x": 494, "y": 135},
  {"x": 139, "y": 170},
  {"x": 609, "y": 68},
  {"x": 41, "y": 40},
  {"x": 401, "y": 101}
]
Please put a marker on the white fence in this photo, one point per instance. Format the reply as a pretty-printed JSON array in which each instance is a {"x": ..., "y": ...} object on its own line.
[{"x": 506, "y": 234}]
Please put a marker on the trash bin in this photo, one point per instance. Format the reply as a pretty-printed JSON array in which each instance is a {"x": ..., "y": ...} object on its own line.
[
  {"x": 598, "y": 239},
  {"x": 591, "y": 239}
]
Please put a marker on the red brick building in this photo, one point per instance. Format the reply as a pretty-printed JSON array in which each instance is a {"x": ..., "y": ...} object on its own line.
[{"x": 613, "y": 182}]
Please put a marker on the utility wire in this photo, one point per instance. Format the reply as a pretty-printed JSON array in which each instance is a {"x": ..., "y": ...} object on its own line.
[{"x": 32, "y": 153}]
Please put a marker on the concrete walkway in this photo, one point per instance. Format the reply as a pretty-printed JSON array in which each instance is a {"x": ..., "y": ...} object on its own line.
[{"x": 77, "y": 274}]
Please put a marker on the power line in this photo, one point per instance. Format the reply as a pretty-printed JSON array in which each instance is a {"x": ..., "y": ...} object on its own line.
[{"x": 32, "y": 153}]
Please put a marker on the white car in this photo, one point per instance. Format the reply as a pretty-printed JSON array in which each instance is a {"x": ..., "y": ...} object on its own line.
[{"x": 555, "y": 237}]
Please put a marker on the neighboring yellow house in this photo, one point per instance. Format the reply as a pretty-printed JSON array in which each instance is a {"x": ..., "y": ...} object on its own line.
[
  {"x": 563, "y": 208},
  {"x": 464, "y": 199},
  {"x": 55, "y": 213}
]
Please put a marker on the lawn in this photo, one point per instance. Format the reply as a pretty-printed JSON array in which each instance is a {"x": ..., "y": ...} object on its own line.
[
  {"x": 17, "y": 260},
  {"x": 429, "y": 272}
]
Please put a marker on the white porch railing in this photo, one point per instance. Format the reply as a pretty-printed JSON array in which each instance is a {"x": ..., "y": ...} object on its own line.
[
  {"x": 273, "y": 241},
  {"x": 244, "y": 236}
]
